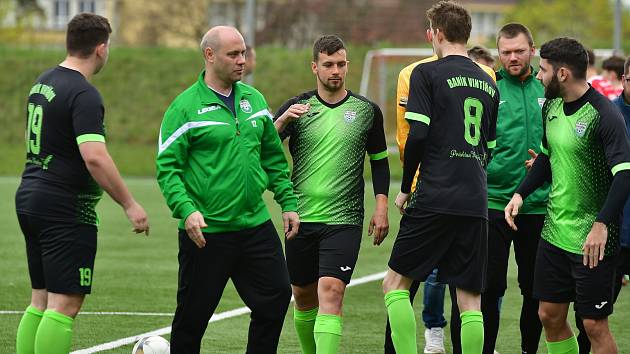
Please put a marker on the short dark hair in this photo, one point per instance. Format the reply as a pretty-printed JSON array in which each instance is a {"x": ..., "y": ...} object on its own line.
[
  {"x": 615, "y": 64},
  {"x": 591, "y": 57},
  {"x": 85, "y": 32},
  {"x": 328, "y": 44},
  {"x": 512, "y": 30},
  {"x": 480, "y": 52},
  {"x": 565, "y": 51},
  {"x": 452, "y": 19}
]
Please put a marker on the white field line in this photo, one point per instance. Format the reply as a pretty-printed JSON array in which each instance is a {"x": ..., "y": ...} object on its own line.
[{"x": 215, "y": 317}]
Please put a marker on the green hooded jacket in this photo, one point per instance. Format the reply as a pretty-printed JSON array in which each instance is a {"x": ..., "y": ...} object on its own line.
[
  {"x": 519, "y": 127},
  {"x": 218, "y": 164}
]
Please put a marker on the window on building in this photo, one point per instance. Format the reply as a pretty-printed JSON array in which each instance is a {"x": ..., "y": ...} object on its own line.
[
  {"x": 61, "y": 13},
  {"x": 87, "y": 6}
]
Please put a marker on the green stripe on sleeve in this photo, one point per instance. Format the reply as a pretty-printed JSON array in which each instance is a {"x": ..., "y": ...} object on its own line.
[
  {"x": 379, "y": 156},
  {"x": 543, "y": 150},
  {"x": 492, "y": 144},
  {"x": 90, "y": 137},
  {"x": 418, "y": 117},
  {"x": 620, "y": 167}
]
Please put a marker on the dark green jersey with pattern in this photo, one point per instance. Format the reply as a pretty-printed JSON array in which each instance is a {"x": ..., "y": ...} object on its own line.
[
  {"x": 328, "y": 145},
  {"x": 63, "y": 110},
  {"x": 587, "y": 144}
]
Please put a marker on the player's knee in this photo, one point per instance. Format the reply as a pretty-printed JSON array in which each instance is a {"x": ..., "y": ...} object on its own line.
[
  {"x": 550, "y": 319},
  {"x": 66, "y": 304},
  {"x": 596, "y": 328},
  {"x": 331, "y": 293},
  {"x": 305, "y": 296}
]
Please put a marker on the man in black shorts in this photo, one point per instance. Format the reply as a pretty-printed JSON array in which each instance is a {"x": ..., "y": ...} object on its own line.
[
  {"x": 330, "y": 130},
  {"x": 452, "y": 110},
  {"x": 585, "y": 153},
  {"x": 67, "y": 166}
]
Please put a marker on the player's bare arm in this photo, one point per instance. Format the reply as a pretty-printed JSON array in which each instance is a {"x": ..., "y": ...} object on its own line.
[
  {"x": 103, "y": 169},
  {"x": 294, "y": 112}
]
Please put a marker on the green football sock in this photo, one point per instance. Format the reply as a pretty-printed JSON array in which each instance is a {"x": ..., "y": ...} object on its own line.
[
  {"x": 567, "y": 346},
  {"x": 25, "y": 342},
  {"x": 402, "y": 321},
  {"x": 327, "y": 332},
  {"x": 54, "y": 334},
  {"x": 472, "y": 332},
  {"x": 304, "y": 321}
]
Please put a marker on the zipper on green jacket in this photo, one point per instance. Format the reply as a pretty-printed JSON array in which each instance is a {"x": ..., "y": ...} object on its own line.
[{"x": 526, "y": 119}]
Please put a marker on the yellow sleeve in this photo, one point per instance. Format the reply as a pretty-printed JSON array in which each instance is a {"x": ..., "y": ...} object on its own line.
[
  {"x": 402, "y": 127},
  {"x": 488, "y": 71}
]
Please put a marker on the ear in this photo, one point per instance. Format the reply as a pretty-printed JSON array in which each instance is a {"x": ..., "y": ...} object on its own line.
[
  {"x": 563, "y": 74},
  {"x": 314, "y": 67},
  {"x": 533, "y": 50},
  {"x": 100, "y": 50},
  {"x": 208, "y": 53},
  {"x": 429, "y": 35},
  {"x": 439, "y": 35}
]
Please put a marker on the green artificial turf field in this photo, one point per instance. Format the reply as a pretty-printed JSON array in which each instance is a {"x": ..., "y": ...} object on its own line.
[{"x": 138, "y": 275}]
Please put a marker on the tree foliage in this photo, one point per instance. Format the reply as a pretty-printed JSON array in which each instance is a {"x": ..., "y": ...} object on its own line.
[{"x": 590, "y": 21}]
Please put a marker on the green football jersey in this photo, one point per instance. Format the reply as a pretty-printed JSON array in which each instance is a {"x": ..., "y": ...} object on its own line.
[
  {"x": 328, "y": 146},
  {"x": 587, "y": 144}
]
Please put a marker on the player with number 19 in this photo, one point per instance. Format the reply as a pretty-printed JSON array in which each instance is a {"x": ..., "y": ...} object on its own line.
[
  {"x": 67, "y": 167},
  {"x": 451, "y": 109}
]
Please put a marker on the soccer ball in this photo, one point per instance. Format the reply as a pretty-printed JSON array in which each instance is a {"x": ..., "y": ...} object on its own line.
[{"x": 152, "y": 345}]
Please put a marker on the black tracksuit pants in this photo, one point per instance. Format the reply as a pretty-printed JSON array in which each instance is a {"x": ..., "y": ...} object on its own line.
[{"x": 253, "y": 259}]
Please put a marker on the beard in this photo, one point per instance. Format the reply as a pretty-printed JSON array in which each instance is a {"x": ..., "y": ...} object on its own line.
[
  {"x": 552, "y": 90},
  {"x": 522, "y": 72},
  {"x": 333, "y": 86}
]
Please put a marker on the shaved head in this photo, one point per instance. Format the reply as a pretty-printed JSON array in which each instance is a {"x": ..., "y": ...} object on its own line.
[
  {"x": 218, "y": 35},
  {"x": 223, "y": 51}
]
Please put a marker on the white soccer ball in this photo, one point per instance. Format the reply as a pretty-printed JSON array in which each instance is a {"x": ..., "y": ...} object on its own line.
[{"x": 152, "y": 345}]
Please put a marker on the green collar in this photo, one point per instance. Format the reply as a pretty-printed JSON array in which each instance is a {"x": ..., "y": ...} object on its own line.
[
  {"x": 504, "y": 74},
  {"x": 208, "y": 96}
]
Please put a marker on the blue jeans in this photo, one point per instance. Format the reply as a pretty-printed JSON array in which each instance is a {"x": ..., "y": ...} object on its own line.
[{"x": 433, "y": 310}]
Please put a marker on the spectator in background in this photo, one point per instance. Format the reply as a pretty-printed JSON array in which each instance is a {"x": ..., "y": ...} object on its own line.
[
  {"x": 591, "y": 71},
  {"x": 612, "y": 71},
  {"x": 482, "y": 55},
  {"x": 250, "y": 60}
]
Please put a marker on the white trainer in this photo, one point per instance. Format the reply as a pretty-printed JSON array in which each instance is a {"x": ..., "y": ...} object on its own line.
[{"x": 434, "y": 340}]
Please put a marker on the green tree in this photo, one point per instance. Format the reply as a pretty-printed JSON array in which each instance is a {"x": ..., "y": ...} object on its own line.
[{"x": 590, "y": 21}]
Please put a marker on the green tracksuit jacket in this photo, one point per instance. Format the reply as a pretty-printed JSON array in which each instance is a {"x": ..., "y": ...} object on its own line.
[
  {"x": 220, "y": 165},
  {"x": 519, "y": 127}
]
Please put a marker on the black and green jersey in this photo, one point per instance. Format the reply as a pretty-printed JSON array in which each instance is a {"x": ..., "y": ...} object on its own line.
[
  {"x": 587, "y": 144},
  {"x": 457, "y": 102},
  {"x": 63, "y": 110},
  {"x": 328, "y": 146}
]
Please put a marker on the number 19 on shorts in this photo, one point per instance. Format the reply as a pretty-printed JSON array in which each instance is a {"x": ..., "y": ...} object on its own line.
[
  {"x": 85, "y": 276},
  {"x": 473, "y": 111}
]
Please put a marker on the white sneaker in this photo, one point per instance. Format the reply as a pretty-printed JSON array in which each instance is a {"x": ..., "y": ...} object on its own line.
[{"x": 434, "y": 340}]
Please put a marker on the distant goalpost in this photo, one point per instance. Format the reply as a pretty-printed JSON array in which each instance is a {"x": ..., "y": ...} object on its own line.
[{"x": 380, "y": 77}]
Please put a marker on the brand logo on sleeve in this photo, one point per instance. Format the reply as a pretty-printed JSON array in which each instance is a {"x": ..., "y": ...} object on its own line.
[
  {"x": 245, "y": 106},
  {"x": 599, "y": 307},
  {"x": 541, "y": 101}
]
